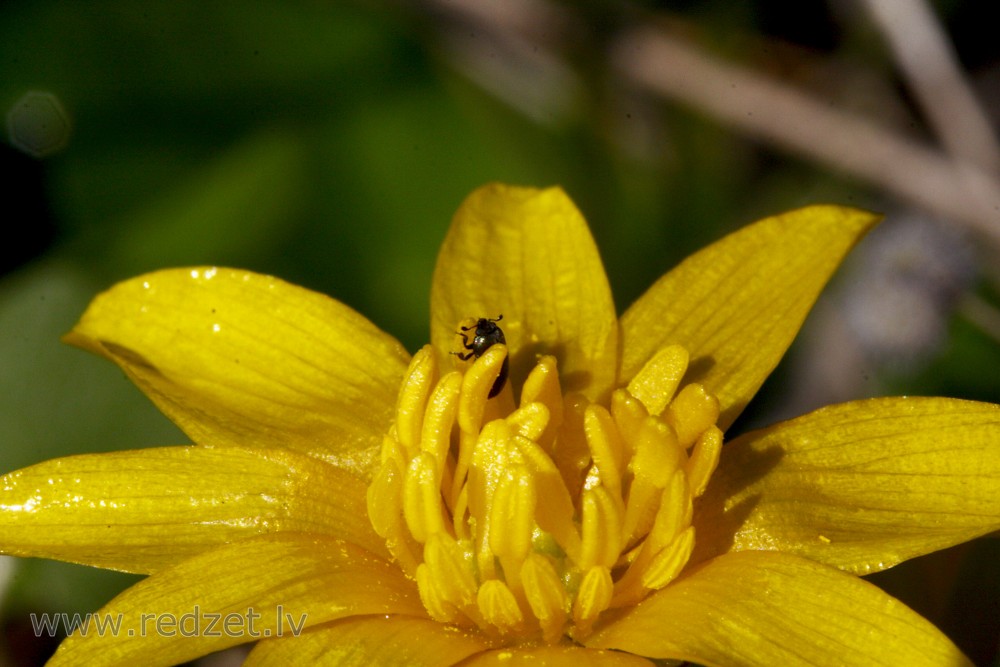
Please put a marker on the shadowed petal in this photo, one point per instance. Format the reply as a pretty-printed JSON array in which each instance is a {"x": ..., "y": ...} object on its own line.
[
  {"x": 861, "y": 486},
  {"x": 265, "y": 586},
  {"x": 527, "y": 254},
  {"x": 556, "y": 656},
  {"x": 238, "y": 358},
  {"x": 737, "y": 304},
  {"x": 140, "y": 511},
  {"x": 763, "y": 609},
  {"x": 370, "y": 640}
]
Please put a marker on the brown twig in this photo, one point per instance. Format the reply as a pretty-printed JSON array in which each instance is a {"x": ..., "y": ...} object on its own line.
[
  {"x": 772, "y": 111},
  {"x": 925, "y": 56},
  {"x": 959, "y": 186}
]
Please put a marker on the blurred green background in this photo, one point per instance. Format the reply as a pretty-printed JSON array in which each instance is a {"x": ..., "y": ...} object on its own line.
[{"x": 330, "y": 143}]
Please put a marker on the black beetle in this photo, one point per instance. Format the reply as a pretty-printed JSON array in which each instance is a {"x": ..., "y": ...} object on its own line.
[{"x": 487, "y": 335}]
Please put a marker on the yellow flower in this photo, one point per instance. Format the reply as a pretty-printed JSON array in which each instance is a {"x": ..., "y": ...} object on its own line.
[{"x": 588, "y": 514}]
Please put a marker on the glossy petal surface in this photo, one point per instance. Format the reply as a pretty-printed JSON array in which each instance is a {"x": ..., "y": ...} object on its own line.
[
  {"x": 762, "y": 609},
  {"x": 271, "y": 582},
  {"x": 736, "y": 305},
  {"x": 527, "y": 254},
  {"x": 238, "y": 358},
  {"x": 370, "y": 640},
  {"x": 143, "y": 510},
  {"x": 861, "y": 486}
]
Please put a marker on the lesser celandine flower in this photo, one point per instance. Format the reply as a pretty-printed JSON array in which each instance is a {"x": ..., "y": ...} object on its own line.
[{"x": 589, "y": 514}]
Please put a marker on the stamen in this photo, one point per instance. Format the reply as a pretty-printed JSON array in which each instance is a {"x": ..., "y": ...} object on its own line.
[
  {"x": 693, "y": 411},
  {"x": 593, "y": 597},
  {"x": 546, "y": 595},
  {"x": 555, "y": 515},
  {"x": 674, "y": 514},
  {"x": 601, "y": 528},
  {"x": 439, "y": 609},
  {"x": 498, "y": 605},
  {"x": 420, "y": 378},
  {"x": 448, "y": 564},
  {"x": 542, "y": 386},
  {"x": 530, "y": 522},
  {"x": 529, "y": 421},
  {"x": 435, "y": 436},
  {"x": 629, "y": 414},
  {"x": 476, "y": 385},
  {"x": 606, "y": 449},
  {"x": 491, "y": 457},
  {"x": 570, "y": 452},
  {"x": 422, "y": 504},
  {"x": 667, "y": 564},
  {"x": 704, "y": 460},
  {"x": 657, "y": 381},
  {"x": 385, "y": 497},
  {"x": 657, "y": 456},
  {"x": 512, "y": 515}
]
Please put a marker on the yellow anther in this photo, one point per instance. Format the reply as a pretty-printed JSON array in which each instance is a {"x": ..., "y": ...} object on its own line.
[
  {"x": 422, "y": 504},
  {"x": 704, "y": 459},
  {"x": 546, "y": 595},
  {"x": 592, "y": 598},
  {"x": 669, "y": 562},
  {"x": 542, "y": 386},
  {"x": 657, "y": 453},
  {"x": 435, "y": 435},
  {"x": 391, "y": 449},
  {"x": 476, "y": 385},
  {"x": 601, "y": 529},
  {"x": 570, "y": 452},
  {"x": 466, "y": 445},
  {"x": 385, "y": 497},
  {"x": 490, "y": 458},
  {"x": 498, "y": 605},
  {"x": 657, "y": 381},
  {"x": 460, "y": 515},
  {"x": 606, "y": 449},
  {"x": 629, "y": 415},
  {"x": 674, "y": 514},
  {"x": 439, "y": 608},
  {"x": 657, "y": 456},
  {"x": 452, "y": 571},
  {"x": 513, "y": 520},
  {"x": 529, "y": 421},
  {"x": 512, "y": 514},
  {"x": 693, "y": 411},
  {"x": 555, "y": 514},
  {"x": 420, "y": 378},
  {"x": 542, "y": 383}
]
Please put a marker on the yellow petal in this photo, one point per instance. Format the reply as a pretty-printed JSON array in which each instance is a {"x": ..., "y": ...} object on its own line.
[
  {"x": 237, "y": 358},
  {"x": 370, "y": 640},
  {"x": 736, "y": 305},
  {"x": 140, "y": 511},
  {"x": 860, "y": 486},
  {"x": 556, "y": 656},
  {"x": 527, "y": 254},
  {"x": 762, "y": 608},
  {"x": 266, "y": 586}
]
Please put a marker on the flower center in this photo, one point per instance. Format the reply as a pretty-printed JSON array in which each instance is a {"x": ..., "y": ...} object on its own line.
[{"x": 530, "y": 521}]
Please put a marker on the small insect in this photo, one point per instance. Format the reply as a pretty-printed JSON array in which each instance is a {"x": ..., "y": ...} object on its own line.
[{"x": 487, "y": 334}]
